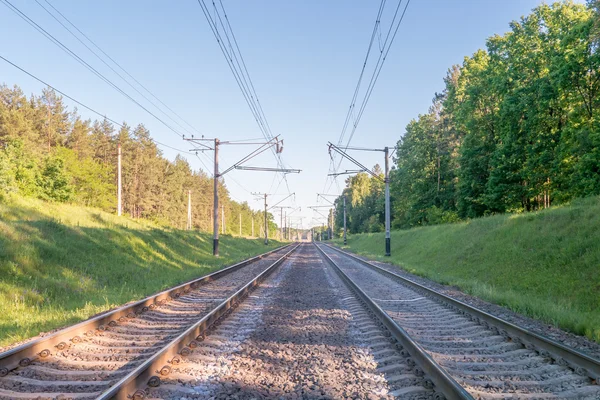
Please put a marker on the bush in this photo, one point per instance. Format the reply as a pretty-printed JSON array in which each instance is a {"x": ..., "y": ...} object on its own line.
[{"x": 53, "y": 181}]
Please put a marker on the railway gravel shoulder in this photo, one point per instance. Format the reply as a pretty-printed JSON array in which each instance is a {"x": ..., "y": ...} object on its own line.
[
  {"x": 489, "y": 362},
  {"x": 88, "y": 363},
  {"x": 301, "y": 334}
]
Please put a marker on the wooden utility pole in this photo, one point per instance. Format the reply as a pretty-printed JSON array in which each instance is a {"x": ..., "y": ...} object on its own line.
[
  {"x": 240, "y": 224},
  {"x": 345, "y": 239},
  {"x": 266, "y": 223},
  {"x": 119, "y": 183},
  {"x": 189, "y": 213},
  {"x": 253, "y": 226}
]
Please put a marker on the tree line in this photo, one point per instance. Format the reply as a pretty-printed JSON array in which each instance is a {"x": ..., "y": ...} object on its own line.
[
  {"x": 516, "y": 128},
  {"x": 49, "y": 152}
]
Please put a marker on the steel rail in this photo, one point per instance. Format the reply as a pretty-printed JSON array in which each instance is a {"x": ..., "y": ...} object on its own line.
[
  {"x": 23, "y": 355},
  {"x": 447, "y": 386},
  {"x": 581, "y": 363},
  {"x": 161, "y": 363}
]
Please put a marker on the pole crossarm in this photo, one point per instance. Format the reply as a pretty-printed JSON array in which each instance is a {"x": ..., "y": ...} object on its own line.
[
  {"x": 203, "y": 147},
  {"x": 347, "y": 172},
  {"x": 352, "y": 159},
  {"x": 385, "y": 180},
  {"x": 324, "y": 198},
  {"x": 263, "y": 146},
  {"x": 266, "y": 169},
  {"x": 261, "y": 149},
  {"x": 362, "y": 149},
  {"x": 320, "y": 213},
  {"x": 281, "y": 201}
]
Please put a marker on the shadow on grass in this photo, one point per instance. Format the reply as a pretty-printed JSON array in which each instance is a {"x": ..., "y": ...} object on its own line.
[{"x": 53, "y": 274}]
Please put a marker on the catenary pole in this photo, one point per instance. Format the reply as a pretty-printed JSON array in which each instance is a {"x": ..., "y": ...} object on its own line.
[
  {"x": 266, "y": 225},
  {"x": 119, "y": 183},
  {"x": 387, "y": 203},
  {"x": 216, "y": 202},
  {"x": 345, "y": 237}
]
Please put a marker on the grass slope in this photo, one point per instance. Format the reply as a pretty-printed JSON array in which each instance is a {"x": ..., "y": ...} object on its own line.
[
  {"x": 545, "y": 264},
  {"x": 60, "y": 264}
]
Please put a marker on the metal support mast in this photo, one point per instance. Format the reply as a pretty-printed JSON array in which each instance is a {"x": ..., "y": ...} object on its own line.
[
  {"x": 386, "y": 181},
  {"x": 216, "y": 201},
  {"x": 388, "y": 250},
  {"x": 119, "y": 183},
  {"x": 266, "y": 224},
  {"x": 345, "y": 236},
  {"x": 263, "y": 146}
]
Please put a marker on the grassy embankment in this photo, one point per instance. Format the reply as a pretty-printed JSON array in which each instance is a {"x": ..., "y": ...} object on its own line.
[
  {"x": 545, "y": 264},
  {"x": 60, "y": 264}
]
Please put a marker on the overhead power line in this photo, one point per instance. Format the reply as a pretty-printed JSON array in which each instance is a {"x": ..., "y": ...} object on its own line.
[
  {"x": 231, "y": 51},
  {"x": 384, "y": 49},
  {"x": 82, "y": 104},
  {"x": 80, "y": 60},
  {"x": 115, "y": 63},
  {"x": 362, "y": 72},
  {"x": 122, "y": 69}
]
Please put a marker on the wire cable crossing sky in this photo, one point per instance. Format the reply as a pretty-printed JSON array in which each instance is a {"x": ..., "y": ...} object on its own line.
[{"x": 314, "y": 69}]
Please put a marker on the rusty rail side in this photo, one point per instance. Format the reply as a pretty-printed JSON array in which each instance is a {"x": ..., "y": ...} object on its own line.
[
  {"x": 447, "y": 387},
  {"x": 160, "y": 364},
  {"x": 42, "y": 347},
  {"x": 580, "y": 362}
]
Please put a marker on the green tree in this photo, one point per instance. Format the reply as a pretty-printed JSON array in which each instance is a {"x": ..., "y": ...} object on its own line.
[{"x": 53, "y": 180}]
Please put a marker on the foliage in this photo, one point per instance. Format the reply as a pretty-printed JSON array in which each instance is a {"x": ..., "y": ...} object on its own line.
[
  {"x": 543, "y": 264},
  {"x": 364, "y": 204},
  {"x": 53, "y": 181},
  {"x": 51, "y": 153},
  {"x": 516, "y": 128}
]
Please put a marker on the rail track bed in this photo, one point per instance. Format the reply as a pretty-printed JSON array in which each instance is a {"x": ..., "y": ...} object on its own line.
[
  {"x": 490, "y": 359},
  {"x": 301, "y": 322},
  {"x": 301, "y": 335},
  {"x": 87, "y": 364}
]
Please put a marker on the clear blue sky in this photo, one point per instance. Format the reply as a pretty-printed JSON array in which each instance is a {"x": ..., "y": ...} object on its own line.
[{"x": 304, "y": 57}]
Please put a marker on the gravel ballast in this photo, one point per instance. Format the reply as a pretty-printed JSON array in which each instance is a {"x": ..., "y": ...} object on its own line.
[
  {"x": 301, "y": 335},
  {"x": 486, "y": 361}
]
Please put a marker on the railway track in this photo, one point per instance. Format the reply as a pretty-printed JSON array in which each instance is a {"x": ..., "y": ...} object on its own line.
[
  {"x": 487, "y": 356},
  {"x": 328, "y": 325},
  {"x": 302, "y": 334},
  {"x": 89, "y": 359}
]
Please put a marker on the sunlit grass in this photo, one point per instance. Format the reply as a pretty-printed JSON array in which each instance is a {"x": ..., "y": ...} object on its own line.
[
  {"x": 544, "y": 264},
  {"x": 60, "y": 264}
]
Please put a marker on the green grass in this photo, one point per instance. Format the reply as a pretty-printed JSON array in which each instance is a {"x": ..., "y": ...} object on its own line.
[
  {"x": 545, "y": 264},
  {"x": 60, "y": 264}
]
